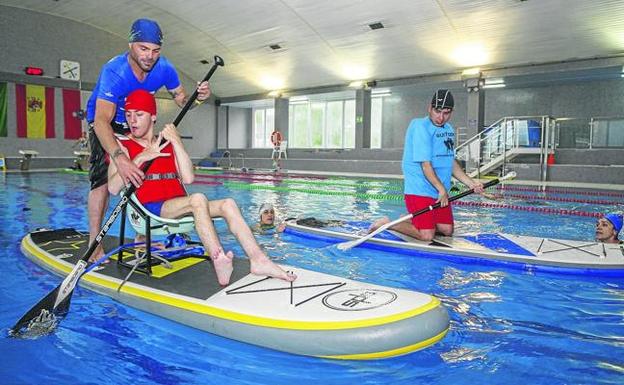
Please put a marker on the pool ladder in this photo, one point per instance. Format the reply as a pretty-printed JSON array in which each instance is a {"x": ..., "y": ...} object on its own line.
[{"x": 226, "y": 154}]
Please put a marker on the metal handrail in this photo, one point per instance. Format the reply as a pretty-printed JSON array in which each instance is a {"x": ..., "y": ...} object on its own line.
[
  {"x": 498, "y": 139},
  {"x": 226, "y": 154},
  {"x": 592, "y": 124}
]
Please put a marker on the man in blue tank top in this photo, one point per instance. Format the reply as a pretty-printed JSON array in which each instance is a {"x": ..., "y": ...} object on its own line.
[
  {"x": 428, "y": 164},
  {"x": 141, "y": 67}
]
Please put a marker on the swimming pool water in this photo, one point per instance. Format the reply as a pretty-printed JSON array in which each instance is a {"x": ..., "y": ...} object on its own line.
[{"x": 506, "y": 326}]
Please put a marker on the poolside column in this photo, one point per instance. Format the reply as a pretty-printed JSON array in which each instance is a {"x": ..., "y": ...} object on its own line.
[
  {"x": 281, "y": 116},
  {"x": 363, "y": 118},
  {"x": 475, "y": 106}
]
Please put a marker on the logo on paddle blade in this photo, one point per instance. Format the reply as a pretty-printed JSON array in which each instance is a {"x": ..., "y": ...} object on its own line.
[{"x": 358, "y": 299}]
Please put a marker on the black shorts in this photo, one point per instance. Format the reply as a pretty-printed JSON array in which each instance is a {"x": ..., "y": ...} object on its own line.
[{"x": 98, "y": 168}]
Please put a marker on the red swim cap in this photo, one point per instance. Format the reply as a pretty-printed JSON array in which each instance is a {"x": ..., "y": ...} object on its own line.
[{"x": 141, "y": 100}]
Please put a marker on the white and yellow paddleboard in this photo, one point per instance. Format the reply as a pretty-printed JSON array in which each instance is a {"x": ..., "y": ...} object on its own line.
[
  {"x": 317, "y": 315},
  {"x": 587, "y": 258}
]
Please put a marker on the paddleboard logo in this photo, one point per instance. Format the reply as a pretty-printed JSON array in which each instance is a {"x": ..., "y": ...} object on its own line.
[
  {"x": 135, "y": 218},
  {"x": 358, "y": 299}
]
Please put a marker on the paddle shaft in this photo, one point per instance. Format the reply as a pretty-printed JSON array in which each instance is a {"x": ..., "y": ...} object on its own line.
[
  {"x": 350, "y": 244},
  {"x": 454, "y": 198}
]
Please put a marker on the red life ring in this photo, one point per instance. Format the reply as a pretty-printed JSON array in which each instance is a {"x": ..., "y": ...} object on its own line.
[{"x": 276, "y": 138}]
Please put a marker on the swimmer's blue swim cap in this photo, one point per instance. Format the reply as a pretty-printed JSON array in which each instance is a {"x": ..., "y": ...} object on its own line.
[{"x": 616, "y": 220}]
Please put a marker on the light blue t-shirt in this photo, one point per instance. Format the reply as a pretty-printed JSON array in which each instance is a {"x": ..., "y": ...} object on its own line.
[
  {"x": 117, "y": 81},
  {"x": 426, "y": 142}
]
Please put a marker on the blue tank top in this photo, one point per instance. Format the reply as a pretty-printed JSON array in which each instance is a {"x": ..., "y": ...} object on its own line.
[
  {"x": 117, "y": 80},
  {"x": 426, "y": 142}
]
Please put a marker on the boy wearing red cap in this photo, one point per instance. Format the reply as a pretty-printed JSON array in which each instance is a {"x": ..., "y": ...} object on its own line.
[{"x": 163, "y": 193}]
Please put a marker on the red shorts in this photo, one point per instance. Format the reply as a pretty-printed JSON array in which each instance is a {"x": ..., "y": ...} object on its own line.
[{"x": 428, "y": 220}]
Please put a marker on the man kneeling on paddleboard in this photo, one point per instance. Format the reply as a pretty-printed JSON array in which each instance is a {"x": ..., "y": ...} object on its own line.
[
  {"x": 163, "y": 193},
  {"x": 428, "y": 164}
]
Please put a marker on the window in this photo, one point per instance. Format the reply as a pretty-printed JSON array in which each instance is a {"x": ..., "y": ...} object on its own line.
[
  {"x": 263, "y": 124},
  {"x": 349, "y": 124},
  {"x": 321, "y": 124},
  {"x": 334, "y": 125},
  {"x": 376, "y": 122}
]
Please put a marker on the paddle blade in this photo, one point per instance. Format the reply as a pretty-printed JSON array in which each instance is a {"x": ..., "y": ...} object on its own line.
[
  {"x": 56, "y": 303},
  {"x": 344, "y": 246},
  {"x": 42, "y": 313},
  {"x": 510, "y": 175}
]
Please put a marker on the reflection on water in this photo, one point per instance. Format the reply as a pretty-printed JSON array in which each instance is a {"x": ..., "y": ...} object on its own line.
[
  {"x": 463, "y": 354},
  {"x": 455, "y": 278}
]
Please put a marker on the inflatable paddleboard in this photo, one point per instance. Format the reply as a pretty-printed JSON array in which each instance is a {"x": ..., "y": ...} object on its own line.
[
  {"x": 589, "y": 258},
  {"x": 317, "y": 315}
]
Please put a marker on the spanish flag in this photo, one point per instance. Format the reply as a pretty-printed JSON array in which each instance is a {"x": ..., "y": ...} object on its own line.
[{"x": 35, "y": 111}]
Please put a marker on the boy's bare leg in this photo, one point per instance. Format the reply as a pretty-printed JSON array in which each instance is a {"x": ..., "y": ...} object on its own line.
[{"x": 97, "y": 203}]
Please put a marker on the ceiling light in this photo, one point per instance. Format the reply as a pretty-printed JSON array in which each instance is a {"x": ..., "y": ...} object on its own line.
[
  {"x": 380, "y": 93},
  {"x": 494, "y": 81},
  {"x": 298, "y": 100},
  {"x": 270, "y": 82},
  {"x": 471, "y": 71},
  {"x": 356, "y": 84},
  {"x": 275, "y": 94},
  {"x": 470, "y": 54},
  {"x": 499, "y": 85}
]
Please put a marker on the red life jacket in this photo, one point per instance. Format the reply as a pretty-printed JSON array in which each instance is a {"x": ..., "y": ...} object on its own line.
[{"x": 160, "y": 184}]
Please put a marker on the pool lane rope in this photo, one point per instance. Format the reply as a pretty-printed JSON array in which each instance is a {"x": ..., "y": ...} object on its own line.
[
  {"x": 257, "y": 173},
  {"x": 287, "y": 180},
  {"x": 399, "y": 197},
  {"x": 560, "y": 199},
  {"x": 332, "y": 180},
  {"x": 561, "y": 191},
  {"x": 375, "y": 185}
]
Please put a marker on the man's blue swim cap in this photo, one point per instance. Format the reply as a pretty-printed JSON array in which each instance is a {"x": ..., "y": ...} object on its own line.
[
  {"x": 616, "y": 221},
  {"x": 145, "y": 31}
]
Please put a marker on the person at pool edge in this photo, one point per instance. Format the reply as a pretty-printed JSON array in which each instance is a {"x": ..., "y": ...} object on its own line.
[
  {"x": 163, "y": 194},
  {"x": 428, "y": 164},
  {"x": 143, "y": 67},
  {"x": 608, "y": 228}
]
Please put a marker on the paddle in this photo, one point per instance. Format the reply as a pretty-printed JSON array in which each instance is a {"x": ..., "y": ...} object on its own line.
[
  {"x": 348, "y": 245},
  {"x": 57, "y": 301}
]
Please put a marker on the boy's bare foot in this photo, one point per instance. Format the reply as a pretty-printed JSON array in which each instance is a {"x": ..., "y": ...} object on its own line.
[
  {"x": 223, "y": 266},
  {"x": 97, "y": 254},
  {"x": 264, "y": 266},
  {"x": 378, "y": 223}
]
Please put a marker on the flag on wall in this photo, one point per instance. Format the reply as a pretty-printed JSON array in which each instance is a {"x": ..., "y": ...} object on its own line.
[
  {"x": 71, "y": 112},
  {"x": 35, "y": 111},
  {"x": 3, "y": 109}
]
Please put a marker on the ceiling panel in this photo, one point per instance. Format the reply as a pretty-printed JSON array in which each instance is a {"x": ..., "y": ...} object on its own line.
[{"x": 328, "y": 42}]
